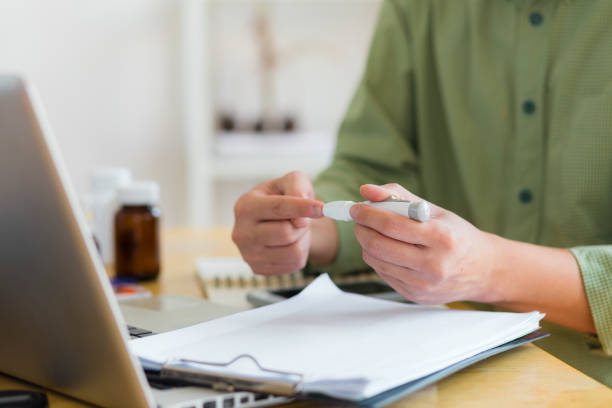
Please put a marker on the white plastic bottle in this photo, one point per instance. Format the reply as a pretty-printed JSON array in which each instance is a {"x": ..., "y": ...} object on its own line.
[{"x": 105, "y": 182}]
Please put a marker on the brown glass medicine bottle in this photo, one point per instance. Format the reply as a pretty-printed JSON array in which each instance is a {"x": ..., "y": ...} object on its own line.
[{"x": 137, "y": 232}]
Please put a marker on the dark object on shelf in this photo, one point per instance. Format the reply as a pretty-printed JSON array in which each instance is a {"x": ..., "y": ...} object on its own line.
[
  {"x": 258, "y": 126},
  {"x": 227, "y": 123},
  {"x": 272, "y": 124},
  {"x": 289, "y": 124},
  {"x": 285, "y": 124}
]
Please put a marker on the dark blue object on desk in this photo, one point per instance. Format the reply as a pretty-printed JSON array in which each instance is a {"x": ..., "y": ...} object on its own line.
[{"x": 23, "y": 399}]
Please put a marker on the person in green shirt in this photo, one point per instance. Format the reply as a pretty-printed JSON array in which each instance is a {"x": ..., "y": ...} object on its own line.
[{"x": 500, "y": 114}]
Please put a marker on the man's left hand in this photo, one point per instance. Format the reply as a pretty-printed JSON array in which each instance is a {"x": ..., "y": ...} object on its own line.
[{"x": 441, "y": 260}]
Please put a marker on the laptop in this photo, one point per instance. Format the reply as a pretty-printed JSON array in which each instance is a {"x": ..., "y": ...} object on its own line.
[{"x": 61, "y": 326}]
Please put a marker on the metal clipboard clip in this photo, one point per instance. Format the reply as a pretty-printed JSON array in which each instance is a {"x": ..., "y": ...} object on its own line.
[{"x": 203, "y": 373}]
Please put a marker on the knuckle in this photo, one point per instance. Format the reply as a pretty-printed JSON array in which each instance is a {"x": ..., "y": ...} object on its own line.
[
  {"x": 430, "y": 264},
  {"x": 434, "y": 228},
  {"x": 396, "y": 188},
  {"x": 366, "y": 257},
  {"x": 238, "y": 207},
  {"x": 250, "y": 259},
  {"x": 390, "y": 227},
  {"x": 435, "y": 269},
  {"x": 295, "y": 174},
  {"x": 242, "y": 205},
  {"x": 448, "y": 239},
  {"x": 445, "y": 236},
  {"x": 236, "y": 236}
]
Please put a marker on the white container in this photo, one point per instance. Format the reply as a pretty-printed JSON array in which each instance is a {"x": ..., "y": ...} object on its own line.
[{"x": 105, "y": 182}]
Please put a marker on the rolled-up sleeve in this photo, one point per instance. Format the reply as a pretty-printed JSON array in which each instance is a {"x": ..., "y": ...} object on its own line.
[{"x": 596, "y": 268}]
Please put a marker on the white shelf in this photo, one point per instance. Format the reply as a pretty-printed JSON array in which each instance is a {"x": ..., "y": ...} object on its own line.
[
  {"x": 252, "y": 156},
  {"x": 254, "y": 168},
  {"x": 271, "y": 145}
]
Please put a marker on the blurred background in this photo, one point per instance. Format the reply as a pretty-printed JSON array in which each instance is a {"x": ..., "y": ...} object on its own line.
[{"x": 206, "y": 97}]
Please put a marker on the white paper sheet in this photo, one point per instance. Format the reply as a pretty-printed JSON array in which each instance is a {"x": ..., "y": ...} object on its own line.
[{"x": 345, "y": 345}]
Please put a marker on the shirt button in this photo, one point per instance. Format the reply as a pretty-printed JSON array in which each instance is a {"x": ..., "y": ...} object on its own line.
[
  {"x": 525, "y": 196},
  {"x": 536, "y": 18},
  {"x": 529, "y": 107}
]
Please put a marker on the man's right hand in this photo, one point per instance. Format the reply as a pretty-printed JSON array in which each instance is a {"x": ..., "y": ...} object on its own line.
[{"x": 272, "y": 224}]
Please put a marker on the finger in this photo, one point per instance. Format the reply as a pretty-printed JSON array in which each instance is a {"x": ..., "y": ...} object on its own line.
[
  {"x": 374, "y": 192},
  {"x": 277, "y": 233},
  {"x": 300, "y": 222},
  {"x": 405, "y": 290},
  {"x": 294, "y": 255},
  {"x": 296, "y": 184},
  {"x": 389, "y": 272},
  {"x": 415, "y": 279},
  {"x": 394, "y": 225},
  {"x": 397, "y": 285},
  {"x": 388, "y": 249},
  {"x": 276, "y": 207}
]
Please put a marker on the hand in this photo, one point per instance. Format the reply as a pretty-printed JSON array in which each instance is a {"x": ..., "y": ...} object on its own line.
[
  {"x": 272, "y": 224},
  {"x": 438, "y": 261}
]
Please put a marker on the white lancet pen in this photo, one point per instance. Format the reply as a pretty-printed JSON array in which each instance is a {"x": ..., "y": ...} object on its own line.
[{"x": 341, "y": 210}]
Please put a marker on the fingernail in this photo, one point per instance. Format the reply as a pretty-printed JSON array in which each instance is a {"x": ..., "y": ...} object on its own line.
[{"x": 316, "y": 211}]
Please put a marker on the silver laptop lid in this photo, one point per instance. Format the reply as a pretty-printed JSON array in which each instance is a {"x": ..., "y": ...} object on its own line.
[{"x": 60, "y": 325}]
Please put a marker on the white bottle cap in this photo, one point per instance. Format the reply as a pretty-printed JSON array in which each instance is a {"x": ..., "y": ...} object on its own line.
[
  {"x": 110, "y": 178},
  {"x": 139, "y": 193}
]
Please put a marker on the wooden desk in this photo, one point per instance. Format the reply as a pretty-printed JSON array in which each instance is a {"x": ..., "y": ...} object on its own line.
[{"x": 526, "y": 376}]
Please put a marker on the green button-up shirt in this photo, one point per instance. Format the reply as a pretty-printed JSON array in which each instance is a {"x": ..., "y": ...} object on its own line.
[{"x": 500, "y": 111}]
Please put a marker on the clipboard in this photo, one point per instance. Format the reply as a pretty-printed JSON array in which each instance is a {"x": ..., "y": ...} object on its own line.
[{"x": 288, "y": 384}]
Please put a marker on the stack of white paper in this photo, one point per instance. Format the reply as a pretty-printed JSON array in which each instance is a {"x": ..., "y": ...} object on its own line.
[{"x": 346, "y": 346}]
